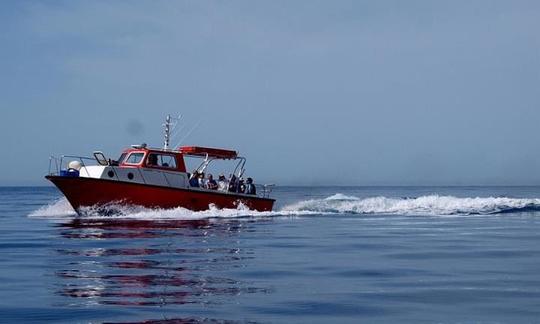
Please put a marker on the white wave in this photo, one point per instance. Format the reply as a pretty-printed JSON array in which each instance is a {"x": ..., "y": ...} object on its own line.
[
  {"x": 61, "y": 208},
  {"x": 425, "y": 205},
  {"x": 58, "y": 208},
  {"x": 340, "y": 196},
  {"x": 335, "y": 204},
  {"x": 179, "y": 213}
]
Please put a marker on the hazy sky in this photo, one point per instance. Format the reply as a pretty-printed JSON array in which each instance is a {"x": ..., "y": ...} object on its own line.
[{"x": 312, "y": 92}]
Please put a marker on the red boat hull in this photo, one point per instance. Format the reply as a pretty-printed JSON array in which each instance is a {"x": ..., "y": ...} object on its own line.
[{"x": 81, "y": 192}]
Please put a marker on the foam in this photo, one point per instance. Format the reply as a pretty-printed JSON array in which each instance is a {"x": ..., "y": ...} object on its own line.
[
  {"x": 432, "y": 205},
  {"x": 61, "y": 208},
  {"x": 58, "y": 208},
  {"x": 424, "y": 205}
]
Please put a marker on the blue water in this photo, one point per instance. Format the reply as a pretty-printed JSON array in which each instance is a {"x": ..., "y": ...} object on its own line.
[{"x": 327, "y": 255}]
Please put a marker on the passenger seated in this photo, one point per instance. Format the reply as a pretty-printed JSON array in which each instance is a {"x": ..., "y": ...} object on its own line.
[
  {"x": 222, "y": 183},
  {"x": 211, "y": 183},
  {"x": 194, "y": 180},
  {"x": 250, "y": 187},
  {"x": 241, "y": 186},
  {"x": 202, "y": 181},
  {"x": 233, "y": 183},
  {"x": 152, "y": 160}
]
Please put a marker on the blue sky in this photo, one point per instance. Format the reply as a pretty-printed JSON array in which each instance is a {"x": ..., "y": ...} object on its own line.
[{"x": 312, "y": 92}]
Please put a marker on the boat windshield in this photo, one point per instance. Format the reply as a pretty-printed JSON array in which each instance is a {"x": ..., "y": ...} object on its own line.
[
  {"x": 121, "y": 158},
  {"x": 135, "y": 158}
]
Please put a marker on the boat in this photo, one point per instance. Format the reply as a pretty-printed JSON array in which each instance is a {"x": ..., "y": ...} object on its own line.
[{"x": 154, "y": 178}]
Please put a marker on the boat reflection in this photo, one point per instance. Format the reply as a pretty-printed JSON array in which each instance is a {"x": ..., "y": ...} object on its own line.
[{"x": 149, "y": 263}]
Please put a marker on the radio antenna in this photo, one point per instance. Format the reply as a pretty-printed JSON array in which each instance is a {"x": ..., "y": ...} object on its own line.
[{"x": 167, "y": 126}]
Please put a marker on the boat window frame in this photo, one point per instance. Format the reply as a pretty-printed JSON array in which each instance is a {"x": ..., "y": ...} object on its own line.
[
  {"x": 173, "y": 155},
  {"x": 135, "y": 152}
]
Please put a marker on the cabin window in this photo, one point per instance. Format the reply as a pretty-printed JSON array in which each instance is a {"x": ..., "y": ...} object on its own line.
[
  {"x": 121, "y": 158},
  {"x": 161, "y": 160},
  {"x": 135, "y": 158}
]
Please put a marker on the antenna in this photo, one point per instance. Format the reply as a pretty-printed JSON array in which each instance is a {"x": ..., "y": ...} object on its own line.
[
  {"x": 167, "y": 126},
  {"x": 168, "y": 122}
]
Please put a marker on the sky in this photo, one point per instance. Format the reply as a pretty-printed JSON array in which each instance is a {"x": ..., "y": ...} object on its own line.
[{"x": 311, "y": 92}]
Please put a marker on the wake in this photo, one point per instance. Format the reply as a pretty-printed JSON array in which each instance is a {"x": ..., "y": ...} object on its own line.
[
  {"x": 425, "y": 205},
  {"x": 62, "y": 209},
  {"x": 432, "y": 205}
]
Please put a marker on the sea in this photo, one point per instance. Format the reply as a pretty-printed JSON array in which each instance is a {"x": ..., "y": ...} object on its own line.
[{"x": 324, "y": 255}]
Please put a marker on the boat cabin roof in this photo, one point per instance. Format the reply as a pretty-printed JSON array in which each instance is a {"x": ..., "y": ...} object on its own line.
[{"x": 215, "y": 153}]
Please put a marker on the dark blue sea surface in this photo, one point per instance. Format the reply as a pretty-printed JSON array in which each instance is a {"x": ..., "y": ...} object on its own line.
[{"x": 326, "y": 255}]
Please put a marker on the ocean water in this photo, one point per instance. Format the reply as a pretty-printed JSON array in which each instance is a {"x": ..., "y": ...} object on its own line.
[{"x": 325, "y": 255}]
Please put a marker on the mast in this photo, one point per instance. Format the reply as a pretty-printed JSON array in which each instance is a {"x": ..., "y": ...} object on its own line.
[{"x": 167, "y": 126}]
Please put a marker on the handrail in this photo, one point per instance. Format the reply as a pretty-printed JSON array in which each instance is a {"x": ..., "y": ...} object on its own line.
[
  {"x": 204, "y": 164},
  {"x": 81, "y": 158},
  {"x": 267, "y": 189},
  {"x": 51, "y": 158},
  {"x": 241, "y": 164},
  {"x": 77, "y": 157},
  {"x": 58, "y": 162}
]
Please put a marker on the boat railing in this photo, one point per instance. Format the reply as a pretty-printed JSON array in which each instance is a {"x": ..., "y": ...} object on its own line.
[
  {"x": 267, "y": 190},
  {"x": 53, "y": 162},
  {"x": 56, "y": 163}
]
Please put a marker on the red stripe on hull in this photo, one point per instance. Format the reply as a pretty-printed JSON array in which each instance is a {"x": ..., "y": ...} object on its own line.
[{"x": 82, "y": 192}]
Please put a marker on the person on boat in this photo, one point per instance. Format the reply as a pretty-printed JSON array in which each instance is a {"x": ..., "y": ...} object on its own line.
[
  {"x": 241, "y": 186},
  {"x": 211, "y": 183},
  {"x": 233, "y": 183},
  {"x": 202, "y": 181},
  {"x": 194, "y": 180},
  {"x": 250, "y": 187},
  {"x": 222, "y": 183},
  {"x": 152, "y": 160}
]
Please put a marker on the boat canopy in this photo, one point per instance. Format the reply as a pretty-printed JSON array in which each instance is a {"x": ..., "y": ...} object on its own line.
[{"x": 211, "y": 152}]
